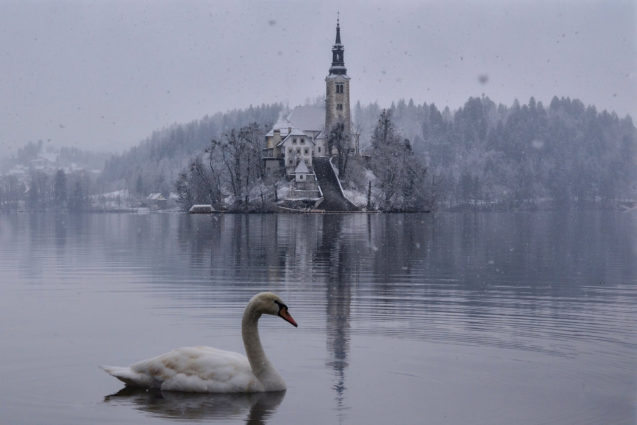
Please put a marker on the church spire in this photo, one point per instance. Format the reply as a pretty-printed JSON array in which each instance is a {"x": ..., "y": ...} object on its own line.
[{"x": 338, "y": 53}]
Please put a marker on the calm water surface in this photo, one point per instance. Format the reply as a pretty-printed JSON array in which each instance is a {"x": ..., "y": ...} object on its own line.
[{"x": 525, "y": 318}]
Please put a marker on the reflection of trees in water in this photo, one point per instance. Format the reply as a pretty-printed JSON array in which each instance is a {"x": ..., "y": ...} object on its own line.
[
  {"x": 245, "y": 247},
  {"x": 258, "y": 406},
  {"x": 474, "y": 251},
  {"x": 452, "y": 275},
  {"x": 543, "y": 253},
  {"x": 399, "y": 244},
  {"x": 553, "y": 252}
]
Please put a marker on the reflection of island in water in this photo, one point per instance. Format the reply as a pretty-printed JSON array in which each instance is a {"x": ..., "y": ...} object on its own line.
[
  {"x": 168, "y": 404},
  {"x": 342, "y": 274}
]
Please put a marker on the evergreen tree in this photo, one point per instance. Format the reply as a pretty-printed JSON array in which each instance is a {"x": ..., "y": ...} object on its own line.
[
  {"x": 59, "y": 189},
  {"x": 78, "y": 200}
]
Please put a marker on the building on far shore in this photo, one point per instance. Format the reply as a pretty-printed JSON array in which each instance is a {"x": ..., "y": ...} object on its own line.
[{"x": 302, "y": 134}]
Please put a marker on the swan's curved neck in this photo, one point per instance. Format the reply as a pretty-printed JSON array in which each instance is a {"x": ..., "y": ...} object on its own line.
[{"x": 256, "y": 356}]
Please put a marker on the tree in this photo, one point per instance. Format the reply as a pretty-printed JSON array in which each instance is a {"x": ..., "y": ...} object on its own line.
[
  {"x": 165, "y": 153},
  {"x": 385, "y": 151},
  {"x": 235, "y": 160},
  {"x": 78, "y": 201},
  {"x": 38, "y": 192},
  {"x": 184, "y": 192},
  {"x": 338, "y": 139},
  {"x": 59, "y": 189},
  {"x": 400, "y": 175},
  {"x": 140, "y": 187},
  {"x": 234, "y": 167},
  {"x": 196, "y": 186},
  {"x": 201, "y": 183}
]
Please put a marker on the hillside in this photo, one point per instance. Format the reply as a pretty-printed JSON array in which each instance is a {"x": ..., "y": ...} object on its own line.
[
  {"x": 153, "y": 165},
  {"x": 511, "y": 156},
  {"x": 482, "y": 155}
]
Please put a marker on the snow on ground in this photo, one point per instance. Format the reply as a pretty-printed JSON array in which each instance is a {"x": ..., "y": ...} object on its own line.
[
  {"x": 355, "y": 197},
  {"x": 121, "y": 194},
  {"x": 283, "y": 190}
]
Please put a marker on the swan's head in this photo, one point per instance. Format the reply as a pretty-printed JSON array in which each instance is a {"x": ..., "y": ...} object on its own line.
[{"x": 269, "y": 303}]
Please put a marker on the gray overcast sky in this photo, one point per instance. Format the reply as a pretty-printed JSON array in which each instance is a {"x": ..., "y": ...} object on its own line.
[{"x": 104, "y": 75}]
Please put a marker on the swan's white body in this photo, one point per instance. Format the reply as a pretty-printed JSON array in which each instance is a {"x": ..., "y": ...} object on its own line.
[{"x": 207, "y": 369}]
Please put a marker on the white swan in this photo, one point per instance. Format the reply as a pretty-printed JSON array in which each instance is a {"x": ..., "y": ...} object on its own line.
[{"x": 207, "y": 369}]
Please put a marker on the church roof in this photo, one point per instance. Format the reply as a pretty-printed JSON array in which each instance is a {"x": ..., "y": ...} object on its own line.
[
  {"x": 282, "y": 125},
  {"x": 296, "y": 132},
  {"x": 308, "y": 118},
  {"x": 302, "y": 118}
]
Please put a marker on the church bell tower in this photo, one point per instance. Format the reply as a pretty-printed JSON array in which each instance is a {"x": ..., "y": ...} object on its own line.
[{"x": 337, "y": 108}]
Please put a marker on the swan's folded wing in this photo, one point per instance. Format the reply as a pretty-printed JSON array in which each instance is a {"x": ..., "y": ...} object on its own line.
[{"x": 197, "y": 369}]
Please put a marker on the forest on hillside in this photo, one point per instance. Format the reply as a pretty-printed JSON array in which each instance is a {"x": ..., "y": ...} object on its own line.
[
  {"x": 153, "y": 165},
  {"x": 519, "y": 155},
  {"x": 482, "y": 155}
]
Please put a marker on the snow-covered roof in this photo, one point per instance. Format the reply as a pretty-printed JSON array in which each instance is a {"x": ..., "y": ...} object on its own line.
[
  {"x": 308, "y": 118},
  {"x": 301, "y": 168},
  {"x": 281, "y": 124},
  {"x": 303, "y": 118},
  {"x": 122, "y": 193},
  {"x": 338, "y": 76},
  {"x": 295, "y": 132}
]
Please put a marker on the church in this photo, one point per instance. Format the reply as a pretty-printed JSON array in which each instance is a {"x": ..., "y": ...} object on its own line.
[{"x": 298, "y": 138}]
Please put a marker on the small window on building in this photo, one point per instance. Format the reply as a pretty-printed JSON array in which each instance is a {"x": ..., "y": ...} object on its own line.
[
  {"x": 339, "y": 88},
  {"x": 319, "y": 149},
  {"x": 294, "y": 141},
  {"x": 289, "y": 150},
  {"x": 339, "y": 106},
  {"x": 302, "y": 141},
  {"x": 298, "y": 150}
]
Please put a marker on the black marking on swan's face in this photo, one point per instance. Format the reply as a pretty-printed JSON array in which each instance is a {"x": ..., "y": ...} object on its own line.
[
  {"x": 281, "y": 306},
  {"x": 284, "y": 314}
]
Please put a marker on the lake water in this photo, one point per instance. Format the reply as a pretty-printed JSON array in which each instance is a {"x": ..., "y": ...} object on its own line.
[{"x": 488, "y": 318}]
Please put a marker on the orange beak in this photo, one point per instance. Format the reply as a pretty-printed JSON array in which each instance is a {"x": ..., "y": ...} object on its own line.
[{"x": 286, "y": 316}]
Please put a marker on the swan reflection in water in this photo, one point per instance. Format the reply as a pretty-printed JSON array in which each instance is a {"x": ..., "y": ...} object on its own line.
[{"x": 170, "y": 404}]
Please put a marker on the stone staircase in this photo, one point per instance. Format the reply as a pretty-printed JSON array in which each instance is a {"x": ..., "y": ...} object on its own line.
[{"x": 333, "y": 198}]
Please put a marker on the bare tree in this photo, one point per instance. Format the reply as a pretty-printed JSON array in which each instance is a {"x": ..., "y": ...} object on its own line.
[
  {"x": 236, "y": 160},
  {"x": 338, "y": 139}
]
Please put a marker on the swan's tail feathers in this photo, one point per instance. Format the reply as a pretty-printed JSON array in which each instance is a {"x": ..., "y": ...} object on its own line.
[{"x": 124, "y": 374}]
